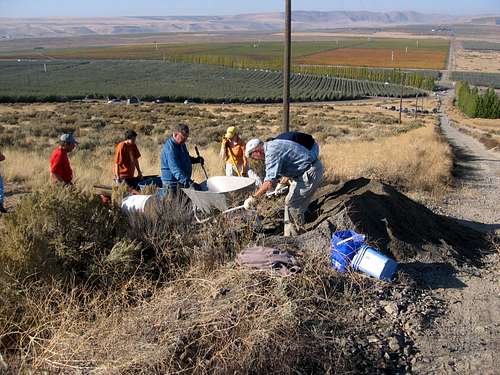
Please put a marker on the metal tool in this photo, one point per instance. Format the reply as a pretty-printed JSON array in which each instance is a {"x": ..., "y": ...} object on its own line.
[{"x": 202, "y": 165}]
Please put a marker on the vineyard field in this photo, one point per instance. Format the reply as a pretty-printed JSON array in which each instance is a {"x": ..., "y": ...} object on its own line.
[
  {"x": 480, "y": 45},
  {"x": 256, "y": 50},
  {"x": 477, "y": 78},
  {"x": 27, "y": 81},
  {"x": 380, "y": 57}
]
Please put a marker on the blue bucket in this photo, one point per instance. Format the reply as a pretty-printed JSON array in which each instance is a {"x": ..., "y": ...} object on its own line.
[
  {"x": 345, "y": 244},
  {"x": 373, "y": 263}
]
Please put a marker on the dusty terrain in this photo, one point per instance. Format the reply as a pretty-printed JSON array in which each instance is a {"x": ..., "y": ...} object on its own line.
[
  {"x": 466, "y": 339},
  {"x": 477, "y": 61}
]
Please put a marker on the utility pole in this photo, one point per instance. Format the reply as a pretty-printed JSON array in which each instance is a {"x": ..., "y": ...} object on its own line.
[
  {"x": 286, "y": 65},
  {"x": 416, "y": 105},
  {"x": 401, "y": 99}
]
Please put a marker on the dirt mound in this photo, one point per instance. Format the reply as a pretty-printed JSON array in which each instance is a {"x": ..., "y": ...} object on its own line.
[{"x": 397, "y": 225}]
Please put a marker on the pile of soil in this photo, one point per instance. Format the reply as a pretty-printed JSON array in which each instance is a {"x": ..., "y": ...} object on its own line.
[{"x": 394, "y": 223}]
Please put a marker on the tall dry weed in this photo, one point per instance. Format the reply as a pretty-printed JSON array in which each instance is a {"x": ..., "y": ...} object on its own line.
[
  {"x": 231, "y": 320},
  {"x": 417, "y": 160}
]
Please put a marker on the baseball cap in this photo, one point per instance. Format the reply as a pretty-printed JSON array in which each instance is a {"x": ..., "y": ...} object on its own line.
[
  {"x": 68, "y": 138},
  {"x": 251, "y": 146},
  {"x": 231, "y": 132}
]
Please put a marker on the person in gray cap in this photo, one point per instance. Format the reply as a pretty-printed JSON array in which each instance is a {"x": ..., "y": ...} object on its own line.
[
  {"x": 60, "y": 168},
  {"x": 291, "y": 155}
]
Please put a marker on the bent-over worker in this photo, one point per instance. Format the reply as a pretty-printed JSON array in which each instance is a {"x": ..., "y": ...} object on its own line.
[
  {"x": 293, "y": 155},
  {"x": 60, "y": 167},
  {"x": 176, "y": 163},
  {"x": 127, "y": 160}
]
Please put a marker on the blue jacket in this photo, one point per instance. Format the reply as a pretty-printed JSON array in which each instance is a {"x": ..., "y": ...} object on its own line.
[{"x": 175, "y": 164}]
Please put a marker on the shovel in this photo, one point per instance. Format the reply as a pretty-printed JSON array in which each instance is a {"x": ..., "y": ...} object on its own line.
[{"x": 202, "y": 166}]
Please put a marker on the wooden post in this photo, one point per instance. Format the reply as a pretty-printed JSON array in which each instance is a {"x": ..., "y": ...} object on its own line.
[
  {"x": 286, "y": 65},
  {"x": 401, "y": 101},
  {"x": 416, "y": 105}
]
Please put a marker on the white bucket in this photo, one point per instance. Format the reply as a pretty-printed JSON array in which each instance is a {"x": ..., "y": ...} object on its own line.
[
  {"x": 227, "y": 184},
  {"x": 373, "y": 263},
  {"x": 135, "y": 203}
]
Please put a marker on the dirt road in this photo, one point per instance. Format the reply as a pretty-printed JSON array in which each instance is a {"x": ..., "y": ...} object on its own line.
[{"x": 466, "y": 340}]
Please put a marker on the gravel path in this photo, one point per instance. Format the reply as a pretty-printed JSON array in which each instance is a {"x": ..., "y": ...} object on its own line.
[
  {"x": 478, "y": 176},
  {"x": 466, "y": 340}
]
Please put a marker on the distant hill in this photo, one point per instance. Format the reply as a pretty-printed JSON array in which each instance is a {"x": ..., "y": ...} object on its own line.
[{"x": 302, "y": 20}]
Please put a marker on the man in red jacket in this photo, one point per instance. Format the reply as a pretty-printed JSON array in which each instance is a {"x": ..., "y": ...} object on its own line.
[{"x": 60, "y": 168}]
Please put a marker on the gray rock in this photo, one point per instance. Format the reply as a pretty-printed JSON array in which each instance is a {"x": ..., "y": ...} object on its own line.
[
  {"x": 372, "y": 339},
  {"x": 394, "y": 344},
  {"x": 391, "y": 308}
]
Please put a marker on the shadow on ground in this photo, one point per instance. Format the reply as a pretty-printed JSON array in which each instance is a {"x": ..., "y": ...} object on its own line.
[{"x": 433, "y": 275}]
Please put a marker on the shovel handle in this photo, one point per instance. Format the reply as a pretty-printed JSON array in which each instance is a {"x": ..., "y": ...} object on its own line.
[{"x": 202, "y": 166}]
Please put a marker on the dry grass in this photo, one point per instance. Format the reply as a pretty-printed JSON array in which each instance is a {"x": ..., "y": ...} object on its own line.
[
  {"x": 28, "y": 129},
  {"x": 163, "y": 296},
  {"x": 417, "y": 160},
  {"x": 231, "y": 320}
]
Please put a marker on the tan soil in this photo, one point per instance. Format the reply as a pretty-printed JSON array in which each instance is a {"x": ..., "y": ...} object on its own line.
[
  {"x": 466, "y": 339},
  {"x": 477, "y": 61}
]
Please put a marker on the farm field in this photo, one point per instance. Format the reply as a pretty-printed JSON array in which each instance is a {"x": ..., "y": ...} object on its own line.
[
  {"x": 478, "y": 59},
  {"x": 478, "y": 78},
  {"x": 380, "y": 57},
  {"x": 256, "y": 51},
  {"x": 480, "y": 46},
  {"x": 27, "y": 81}
]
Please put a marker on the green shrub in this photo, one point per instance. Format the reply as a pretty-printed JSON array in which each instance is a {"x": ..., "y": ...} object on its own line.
[{"x": 58, "y": 231}]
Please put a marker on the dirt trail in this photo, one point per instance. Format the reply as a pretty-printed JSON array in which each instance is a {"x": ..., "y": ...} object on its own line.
[{"x": 466, "y": 339}]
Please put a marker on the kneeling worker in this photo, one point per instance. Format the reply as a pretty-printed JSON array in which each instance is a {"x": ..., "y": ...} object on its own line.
[
  {"x": 176, "y": 163},
  {"x": 293, "y": 155},
  {"x": 127, "y": 160}
]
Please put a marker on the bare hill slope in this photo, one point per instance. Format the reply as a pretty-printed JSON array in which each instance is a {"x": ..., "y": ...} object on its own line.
[{"x": 302, "y": 20}]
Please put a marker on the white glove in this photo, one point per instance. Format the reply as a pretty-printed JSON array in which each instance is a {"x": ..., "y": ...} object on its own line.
[
  {"x": 249, "y": 203},
  {"x": 280, "y": 189}
]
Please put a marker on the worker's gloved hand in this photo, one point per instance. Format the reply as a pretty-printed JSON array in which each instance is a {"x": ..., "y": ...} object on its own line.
[
  {"x": 280, "y": 189},
  {"x": 198, "y": 160},
  {"x": 194, "y": 186},
  {"x": 249, "y": 203}
]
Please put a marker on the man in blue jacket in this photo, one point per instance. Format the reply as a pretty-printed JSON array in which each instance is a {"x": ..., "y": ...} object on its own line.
[{"x": 176, "y": 163}]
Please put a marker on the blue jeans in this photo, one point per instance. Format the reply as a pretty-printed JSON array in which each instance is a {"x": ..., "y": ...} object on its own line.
[{"x": 1, "y": 191}]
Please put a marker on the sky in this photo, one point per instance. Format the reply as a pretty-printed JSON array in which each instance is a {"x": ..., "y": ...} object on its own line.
[{"x": 104, "y": 8}]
